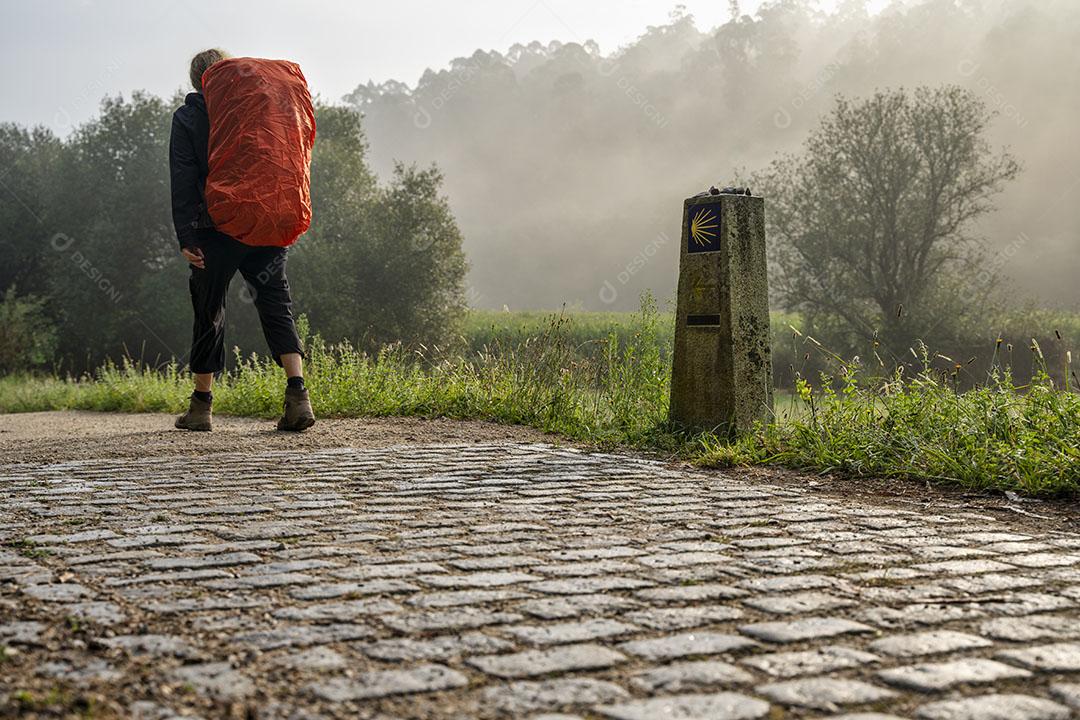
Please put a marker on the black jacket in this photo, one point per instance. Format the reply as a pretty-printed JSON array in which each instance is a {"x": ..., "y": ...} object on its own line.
[{"x": 188, "y": 147}]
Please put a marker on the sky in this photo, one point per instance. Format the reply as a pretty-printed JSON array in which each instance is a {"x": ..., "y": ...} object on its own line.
[{"x": 62, "y": 56}]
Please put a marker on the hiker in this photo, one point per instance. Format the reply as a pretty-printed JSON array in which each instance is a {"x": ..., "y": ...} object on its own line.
[{"x": 214, "y": 257}]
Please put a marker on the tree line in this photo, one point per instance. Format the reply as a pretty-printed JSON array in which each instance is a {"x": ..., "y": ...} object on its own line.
[
  {"x": 566, "y": 161},
  {"x": 92, "y": 269}
]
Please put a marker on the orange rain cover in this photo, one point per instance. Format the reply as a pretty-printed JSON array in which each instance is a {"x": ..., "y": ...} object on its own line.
[{"x": 262, "y": 129}]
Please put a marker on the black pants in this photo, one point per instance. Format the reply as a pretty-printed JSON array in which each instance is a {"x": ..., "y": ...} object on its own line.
[{"x": 264, "y": 270}]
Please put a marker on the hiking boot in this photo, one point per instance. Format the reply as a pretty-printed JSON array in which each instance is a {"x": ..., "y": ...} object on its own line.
[
  {"x": 197, "y": 417},
  {"x": 298, "y": 413}
]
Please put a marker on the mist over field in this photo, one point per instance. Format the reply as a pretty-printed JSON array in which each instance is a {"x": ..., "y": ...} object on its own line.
[{"x": 566, "y": 167}]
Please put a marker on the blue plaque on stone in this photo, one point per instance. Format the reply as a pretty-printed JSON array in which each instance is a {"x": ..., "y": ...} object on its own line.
[{"x": 703, "y": 232}]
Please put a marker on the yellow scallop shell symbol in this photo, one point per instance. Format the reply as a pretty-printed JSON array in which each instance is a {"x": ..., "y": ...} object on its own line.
[{"x": 703, "y": 226}]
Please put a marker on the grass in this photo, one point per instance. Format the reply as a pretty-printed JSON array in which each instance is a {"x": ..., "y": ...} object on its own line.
[
  {"x": 542, "y": 381},
  {"x": 997, "y": 436},
  {"x": 608, "y": 385},
  {"x": 589, "y": 332}
]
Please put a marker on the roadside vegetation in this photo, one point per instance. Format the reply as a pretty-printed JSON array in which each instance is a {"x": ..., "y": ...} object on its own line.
[{"x": 604, "y": 380}]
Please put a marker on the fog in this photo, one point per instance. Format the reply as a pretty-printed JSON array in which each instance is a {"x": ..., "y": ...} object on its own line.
[{"x": 566, "y": 166}]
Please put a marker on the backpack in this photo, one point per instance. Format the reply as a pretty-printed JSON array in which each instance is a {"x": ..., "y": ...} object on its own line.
[{"x": 262, "y": 130}]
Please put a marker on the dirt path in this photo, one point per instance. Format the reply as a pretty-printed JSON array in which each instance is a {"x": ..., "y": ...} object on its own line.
[{"x": 58, "y": 436}]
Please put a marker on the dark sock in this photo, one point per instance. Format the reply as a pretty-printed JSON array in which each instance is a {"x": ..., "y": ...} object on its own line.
[
  {"x": 297, "y": 383},
  {"x": 206, "y": 396}
]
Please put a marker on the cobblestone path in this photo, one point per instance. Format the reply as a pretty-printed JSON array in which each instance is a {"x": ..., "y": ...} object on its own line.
[{"x": 504, "y": 580}]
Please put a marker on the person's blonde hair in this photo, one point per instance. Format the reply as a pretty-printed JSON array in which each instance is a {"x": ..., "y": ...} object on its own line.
[{"x": 200, "y": 62}]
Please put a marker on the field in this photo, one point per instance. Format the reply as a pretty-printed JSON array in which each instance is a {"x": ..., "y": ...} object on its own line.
[{"x": 603, "y": 379}]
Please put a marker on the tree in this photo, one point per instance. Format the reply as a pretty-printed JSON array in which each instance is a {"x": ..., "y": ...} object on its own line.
[
  {"x": 381, "y": 263},
  {"x": 873, "y": 225},
  {"x": 27, "y": 335},
  {"x": 115, "y": 278},
  {"x": 25, "y": 156}
]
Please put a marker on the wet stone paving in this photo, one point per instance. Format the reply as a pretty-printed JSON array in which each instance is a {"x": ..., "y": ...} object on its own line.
[{"x": 514, "y": 580}]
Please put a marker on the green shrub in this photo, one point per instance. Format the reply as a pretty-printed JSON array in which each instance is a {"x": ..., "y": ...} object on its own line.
[
  {"x": 27, "y": 333},
  {"x": 995, "y": 436}
]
